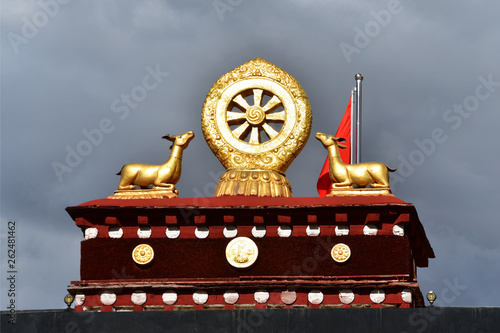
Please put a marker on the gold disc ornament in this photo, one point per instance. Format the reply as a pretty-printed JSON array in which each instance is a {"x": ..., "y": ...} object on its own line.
[
  {"x": 256, "y": 119},
  {"x": 341, "y": 253},
  {"x": 242, "y": 252},
  {"x": 143, "y": 254}
]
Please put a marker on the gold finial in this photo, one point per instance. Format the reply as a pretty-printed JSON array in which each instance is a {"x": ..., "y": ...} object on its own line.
[
  {"x": 431, "y": 297},
  {"x": 68, "y": 299},
  {"x": 256, "y": 119},
  {"x": 163, "y": 176},
  {"x": 343, "y": 176}
]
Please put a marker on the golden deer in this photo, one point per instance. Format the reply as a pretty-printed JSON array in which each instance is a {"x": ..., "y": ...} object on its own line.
[
  {"x": 164, "y": 175},
  {"x": 375, "y": 174}
]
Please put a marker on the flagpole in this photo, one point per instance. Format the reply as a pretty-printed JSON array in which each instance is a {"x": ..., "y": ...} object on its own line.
[
  {"x": 353, "y": 125},
  {"x": 358, "y": 78}
]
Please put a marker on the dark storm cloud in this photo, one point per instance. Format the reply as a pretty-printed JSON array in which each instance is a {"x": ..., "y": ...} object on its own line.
[{"x": 419, "y": 61}]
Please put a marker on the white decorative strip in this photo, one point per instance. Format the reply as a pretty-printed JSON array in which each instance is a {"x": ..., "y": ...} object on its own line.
[
  {"x": 346, "y": 296},
  {"x": 231, "y": 296},
  {"x": 406, "y": 295},
  {"x": 79, "y": 299},
  {"x": 200, "y": 297},
  {"x": 370, "y": 230},
  {"x": 90, "y": 233},
  {"x": 315, "y": 296},
  {"x": 261, "y": 296},
  {"x": 138, "y": 298},
  {"x": 115, "y": 232},
  {"x": 284, "y": 231},
  {"x": 288, "y": 297},
  {"x": 377, "y": 296},
  {"x": 108, "y": 298},
  {"x": 313, "y": 230},
  {"x": 144, "y": 232},
  {"x": 342, "y": 230},
  {"x": 259, "y": 231},
  {"x": 169, "y": 297},
  {"x": 230, "y": 231},
  {"x": 201, "y": 232},
  {"x": 172, "y": 231},
  {"x": 398, "y": 230}
]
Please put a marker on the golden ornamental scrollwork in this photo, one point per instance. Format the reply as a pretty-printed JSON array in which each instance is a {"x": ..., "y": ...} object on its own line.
[
  {"x": 257, "y": 116},
  {"x": 143, "y": 254},
  {"x": 341, "y": 253},
  {"x": 241, "y": 252}
]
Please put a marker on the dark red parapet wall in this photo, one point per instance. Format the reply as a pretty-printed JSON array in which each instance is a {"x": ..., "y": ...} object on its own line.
[{"x": 295, "y": 238}]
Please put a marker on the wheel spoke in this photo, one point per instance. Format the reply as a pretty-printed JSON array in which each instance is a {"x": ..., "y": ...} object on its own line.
[
  {"x": 232, "y": 116},
  {"x": 257, "y": 96},
  {"x": 276, "y": 116},
  {"x": 271, "y": 104},
  {"x": 238, "y": 132},
  {"x": 254, "y": 136},
  {"x": 269, "y": 130},
  {"x": 241, "y": 102}
]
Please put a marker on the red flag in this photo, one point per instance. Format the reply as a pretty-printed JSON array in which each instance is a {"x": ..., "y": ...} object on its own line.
[{"x": 344, "y": 131}]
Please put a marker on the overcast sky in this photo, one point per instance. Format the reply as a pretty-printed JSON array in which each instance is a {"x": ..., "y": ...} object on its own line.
[{"x": 431, "y": 97}]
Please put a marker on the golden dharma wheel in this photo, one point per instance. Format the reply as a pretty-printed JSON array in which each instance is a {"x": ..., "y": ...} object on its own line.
[{"x": 256, "y": 119}]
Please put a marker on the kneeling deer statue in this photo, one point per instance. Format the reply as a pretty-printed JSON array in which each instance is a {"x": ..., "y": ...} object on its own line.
[
  {"x": 375, "y": 174},
  {"x": 164, "y": 175}
]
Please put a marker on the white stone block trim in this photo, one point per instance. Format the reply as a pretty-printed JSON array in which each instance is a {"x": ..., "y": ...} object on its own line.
[
  {"x": 79, "y": 299},
  {"x": 377, "y": 296},
  {"x": 259, "y": 231},
  {"x": 342, "y": 230},
  {"x": 231, "y": 296},
  {"x": 261, "y": 296},
  {"x": 398, "y": 230},
  {"x": 200, "y": 297},
  {"x": 144, "y": 232},
  {"x": 172, "y": 232},
  {"x": 370, "y": 230},
  {"x": 169, "y": 297},
  {"x": 346, "y": 296},
  {"x": 108, "y": 298},
  {"x": 315, "y": 296},
  {"x": 313, "y": 230},
  {"x": 288, "y": 297},
  {"x": 230, "y": 231},
  {"x": 284, "y": 231},
  {"x": 406, "y": 295},
  {"x": 115, "y": 232},
  {"x": 91, "y": 233},
  {"x": 139, "y": 298},
  {"x": 201, "y": 232}
]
